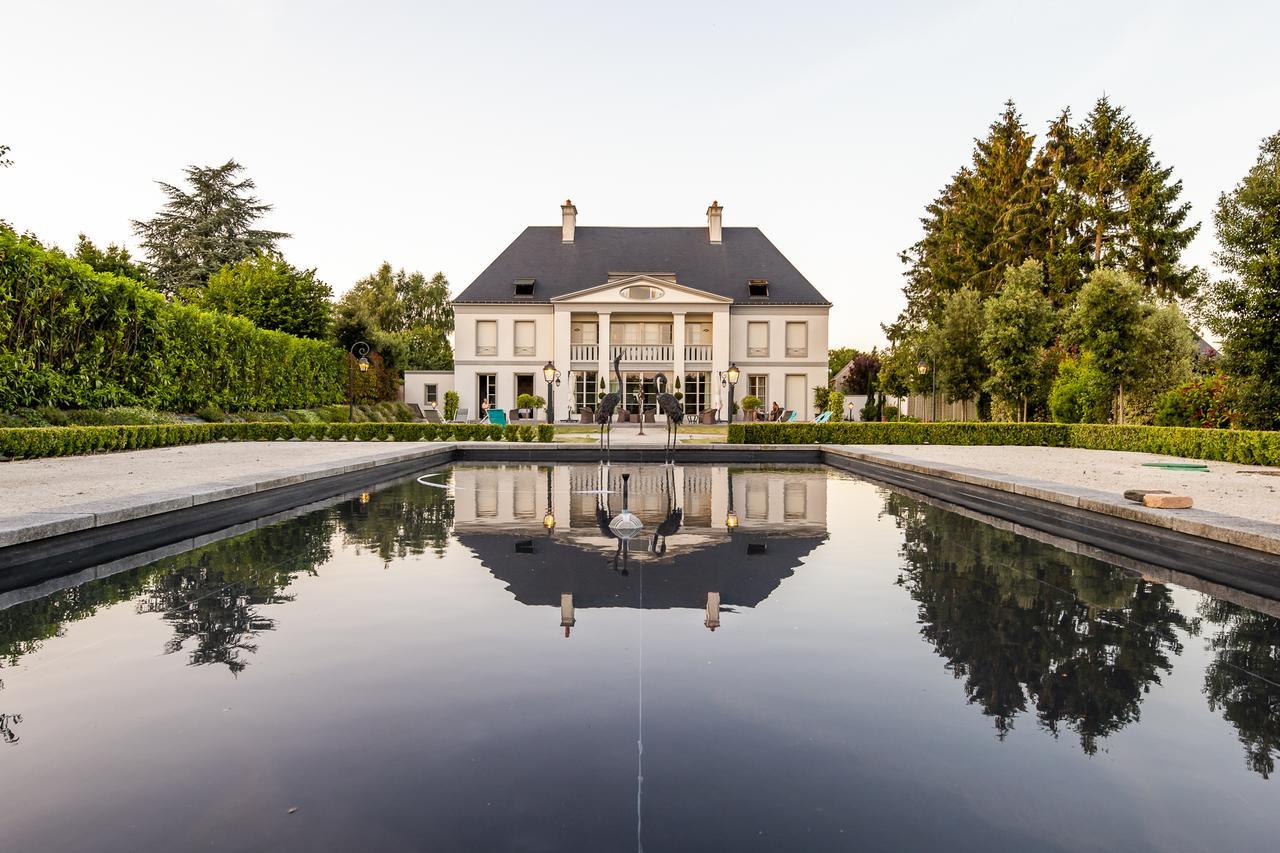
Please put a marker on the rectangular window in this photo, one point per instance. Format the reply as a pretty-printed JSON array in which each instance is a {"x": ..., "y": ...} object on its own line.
[
  {"x": 487, "y": 389},
  {"x": 758, "y": 386},
  {"x": 586, "y": 389},
  {"x": 697, "y": 332},
  {"x": 429, "y": 394},
  {"x": 584, "y": 333},
  {"x": 526, "y": 340},
  {"x": 696, "y": 388},
  {"x": 486, "y": 337},
  {"x": 797, "y": 340},
  {"x": 758, "y": 288},
  {"x": 757, "y": 340}
]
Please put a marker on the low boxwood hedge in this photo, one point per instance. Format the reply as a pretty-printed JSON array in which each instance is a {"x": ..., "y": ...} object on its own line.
[
  {"x": 1247, "y": 447},
  {"x": 35, "y": 442}
]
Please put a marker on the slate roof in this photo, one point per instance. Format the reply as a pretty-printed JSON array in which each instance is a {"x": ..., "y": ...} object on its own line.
[{"x": 564, "y": 268}]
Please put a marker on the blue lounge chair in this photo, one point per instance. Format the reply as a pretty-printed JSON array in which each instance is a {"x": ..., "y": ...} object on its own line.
[
  {"x": 822, "y": 418},
  {"x": 795, "y": 416},
  {"x": 497, "y": 417}
]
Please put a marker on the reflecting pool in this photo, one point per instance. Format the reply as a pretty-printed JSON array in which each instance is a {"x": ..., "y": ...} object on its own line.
[{"x": 782, "y": 658}]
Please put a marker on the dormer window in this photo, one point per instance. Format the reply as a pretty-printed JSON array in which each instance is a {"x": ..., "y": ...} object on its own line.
[
  {"x": 524, "y": 287},
  {"x": 758, "y": 288}
]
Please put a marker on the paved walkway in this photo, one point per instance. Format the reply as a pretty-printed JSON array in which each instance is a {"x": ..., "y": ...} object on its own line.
[{"x": 1245, "y": 491}]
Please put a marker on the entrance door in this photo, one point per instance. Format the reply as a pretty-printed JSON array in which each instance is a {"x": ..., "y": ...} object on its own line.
[
  {"x": 795, "y": 394},
  {"x": 524, "y": 384}
]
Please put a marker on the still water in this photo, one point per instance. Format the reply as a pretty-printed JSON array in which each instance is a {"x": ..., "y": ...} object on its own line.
[{"x": 781, "y": 659}]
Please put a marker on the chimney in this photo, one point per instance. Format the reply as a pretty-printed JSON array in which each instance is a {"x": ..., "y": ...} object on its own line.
[
  {"x": 713, "y": 222},
  {"x": 568, "y": 221}
]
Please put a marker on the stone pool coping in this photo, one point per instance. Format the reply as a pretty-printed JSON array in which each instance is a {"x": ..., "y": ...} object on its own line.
[{"x": 1238, "y": 551}]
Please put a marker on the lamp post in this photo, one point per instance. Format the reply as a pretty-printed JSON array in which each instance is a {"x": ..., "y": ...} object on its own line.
[
  {"x": 730, "y": 377},
  {"x": 849, "y": 404},
  {"x": 552, "y": 375},
  {"x": 359, "y": 350},
  {"x": 925, "y": 367}
]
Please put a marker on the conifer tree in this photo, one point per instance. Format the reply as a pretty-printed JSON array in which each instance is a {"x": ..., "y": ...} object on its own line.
[
  {"x": 200, "y": 231},
  {"x": 1128, "y": 205},
  {"x": 1245, "y": 307}
]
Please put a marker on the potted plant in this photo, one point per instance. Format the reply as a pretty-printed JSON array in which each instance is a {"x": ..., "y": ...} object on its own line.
[{"x": 750, "y": 404}]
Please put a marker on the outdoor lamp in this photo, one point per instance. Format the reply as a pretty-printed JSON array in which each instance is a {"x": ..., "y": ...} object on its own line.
[
  {"x": 358, "y": 352},
  {"x": 364, "y": 364},
  {"x": 549, "y": 373},
  {"x": 549, "y": 521},
  {"x": 732, "y": 374},
  {"x": 731, "y": 520},
  {"x": 552, "y": 375},
  {"x": 923, "y": 367}
]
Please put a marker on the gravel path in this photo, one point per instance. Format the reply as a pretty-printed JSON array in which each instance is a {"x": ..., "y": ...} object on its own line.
[{"x": 1240, "y": 490}]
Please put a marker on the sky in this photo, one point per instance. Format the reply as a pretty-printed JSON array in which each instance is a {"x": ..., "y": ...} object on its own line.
[{"x": 429, "y": 134}]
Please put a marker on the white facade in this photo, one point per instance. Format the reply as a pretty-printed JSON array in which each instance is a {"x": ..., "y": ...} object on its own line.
[{"x": 500, "y": 350}]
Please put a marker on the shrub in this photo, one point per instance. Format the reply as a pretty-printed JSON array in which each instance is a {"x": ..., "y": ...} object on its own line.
[
  {"x": 821, "y": 395},
  {"x": 450, "y": 405},
  {"x": 750, "y": 403},
  {"x": 1202, "y": 402},
  {"x": 530, "y": 401},
  {"x": 213, "y": 414},
  {"x": 511, "y": 432},
  {"x": 1241, "y": 446},
  {"x": 71, "y": 337},
  {"x": 1080, "y": 394},
  {"x": 835, "y": 404}
]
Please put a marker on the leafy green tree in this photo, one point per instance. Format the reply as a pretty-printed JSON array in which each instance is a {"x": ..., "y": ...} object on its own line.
[
  {"x": 1017, "y": 326},
  {"x": 1108, "y": 323},
  {"x": 406, "y": 315},
  {"x": 1129, "y": 205},
  {"x": 115, "y": 260},
  {"x": 1244, "y": 308},
  {"x": 203, "y": 229},
  {"x": 272, "y": 294},
  {"x": 1166, "y": 355},
  {"x": 956, "y": 344},
  {"x": 838, "y": 358},
  {"x": 1080, "y": 393}
]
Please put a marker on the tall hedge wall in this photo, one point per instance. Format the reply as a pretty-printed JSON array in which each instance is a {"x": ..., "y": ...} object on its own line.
[
  {"x": 1247, "y": 447},
  {"x": 74, "y": 338}
]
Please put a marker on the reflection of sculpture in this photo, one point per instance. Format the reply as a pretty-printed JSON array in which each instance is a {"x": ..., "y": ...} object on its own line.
[
  {"x": 1243, "y": 681},
  {"x": 7, "y": 722},
  {"x": 673, "y": 411},
  {"x": 670, "y": 525},
  {"x": 1080, "y": 640}
]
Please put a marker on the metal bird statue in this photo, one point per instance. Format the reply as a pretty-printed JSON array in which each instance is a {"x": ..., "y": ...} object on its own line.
[
  {"x": 608, "y": 405},
  {"x": 670, "y": 407}
]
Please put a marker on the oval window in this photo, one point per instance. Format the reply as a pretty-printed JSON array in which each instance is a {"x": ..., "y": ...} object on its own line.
[{"x": 641, "y": 291}]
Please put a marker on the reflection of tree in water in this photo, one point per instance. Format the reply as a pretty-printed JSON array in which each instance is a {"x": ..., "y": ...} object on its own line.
[
  {"x": 408, "y": 518},
  {"x": 1023, "y": 623},
  {"x": 1243, "y": 680},
  {"x": 212, "y": 595}
]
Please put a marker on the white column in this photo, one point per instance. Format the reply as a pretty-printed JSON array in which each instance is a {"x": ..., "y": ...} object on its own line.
[
  {"x": 560, "y": 330},
  {"x": 720, "y": 357},
  {"x": 677, "y": 351},
  {"x": 603, "y": 340}
]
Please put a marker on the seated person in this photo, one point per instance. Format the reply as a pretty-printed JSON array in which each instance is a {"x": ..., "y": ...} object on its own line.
[{"x": 775, "y": 411}]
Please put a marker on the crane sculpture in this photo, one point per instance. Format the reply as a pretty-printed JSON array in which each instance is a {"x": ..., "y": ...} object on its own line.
[
  {"x": 670, "y": 407},
  {"x": 608, "y": 405}
]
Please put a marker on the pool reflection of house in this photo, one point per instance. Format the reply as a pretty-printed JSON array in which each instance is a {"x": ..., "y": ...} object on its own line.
[{"x": 728, "y": 552}]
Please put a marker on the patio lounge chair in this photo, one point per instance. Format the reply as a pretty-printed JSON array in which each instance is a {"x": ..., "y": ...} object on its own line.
[
  {"x": 822, "y": 418},
  {"x": 795, "y": 416},
  {"x": 786, "y": 416},
  {"x": 431, "y": 416},
  {"x": 460, "y": 417},
  {"x": 497, "y": 417},
  {"x": 416, "y": 409}
]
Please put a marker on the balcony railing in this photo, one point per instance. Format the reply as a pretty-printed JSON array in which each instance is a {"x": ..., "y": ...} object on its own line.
[
  {"x": 697, "y": 352},
  {"x": 642, "y": 352},
  {"x": 584, "y": 352}
]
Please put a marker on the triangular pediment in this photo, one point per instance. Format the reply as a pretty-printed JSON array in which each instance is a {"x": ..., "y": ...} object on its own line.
[{"x": 657, "y": 290}]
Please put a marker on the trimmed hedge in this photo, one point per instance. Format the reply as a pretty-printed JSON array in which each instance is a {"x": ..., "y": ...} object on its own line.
[
  {"x": 71, "y": 337},
  {"x": 36, "y": 442},
  {"x": 1246, "y": 447}
]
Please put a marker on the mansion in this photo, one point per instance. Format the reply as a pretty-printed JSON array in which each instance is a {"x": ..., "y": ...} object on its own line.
[{"x": 684, "y": 302}]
